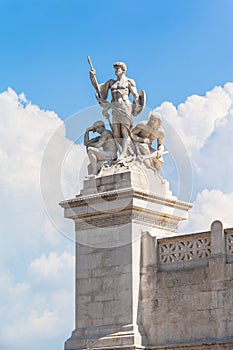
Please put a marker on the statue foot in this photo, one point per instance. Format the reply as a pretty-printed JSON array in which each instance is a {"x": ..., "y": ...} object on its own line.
[{"x": 125, "y": 158}]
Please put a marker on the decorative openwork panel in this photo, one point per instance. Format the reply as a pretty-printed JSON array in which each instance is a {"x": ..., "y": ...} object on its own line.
[
  {"x": 229, "y": 243},
  {"x": 184, "y": 249}
]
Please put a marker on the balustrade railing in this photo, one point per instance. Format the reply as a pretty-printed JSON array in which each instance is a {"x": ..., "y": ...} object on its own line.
[
  {"x": 229, "y": 244},
  {"x": 184, "y": 249},
  {"x": 191, "y": 249}
]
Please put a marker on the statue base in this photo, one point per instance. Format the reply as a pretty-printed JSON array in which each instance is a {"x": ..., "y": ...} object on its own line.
[
  {"x": 111, "y": 214},
  {"x": 120, "y": 337}
]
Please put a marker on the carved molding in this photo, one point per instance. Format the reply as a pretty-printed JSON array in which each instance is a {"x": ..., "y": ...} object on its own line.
[
  {"x": 229, "y": 244},
  {"x": 130, "y": 215},
  {"x": 185, "y": 248},
  {"x": 125, "y": 192}
]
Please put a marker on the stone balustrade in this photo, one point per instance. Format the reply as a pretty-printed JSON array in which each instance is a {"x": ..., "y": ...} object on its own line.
[
  {"x": 193, "y": 249},
  {"x": 229, "y": 244},
  {"x": 184, "y": 248},
  {"x": 187, "y": 290}
]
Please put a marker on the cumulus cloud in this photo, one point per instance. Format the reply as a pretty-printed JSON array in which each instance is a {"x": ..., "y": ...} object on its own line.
[
  {"x": 40, "y": 166},
  {"x": 215, "y": 160},
  {"x": 196, "y": 119},
  {"x": 209, "y": 206},
  {"x": 205, "y": 126},
  {"x": 53, "y": 269},
  {"x": 25, "y": 131},
  {"x": 36, "y": 283},
  {"x": 39, "y": 314}
]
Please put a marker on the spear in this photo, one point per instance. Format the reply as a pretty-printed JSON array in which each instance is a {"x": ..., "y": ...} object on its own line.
[
  {"x": 93, "y": 78},
  {"x": 105, "y": 105}
]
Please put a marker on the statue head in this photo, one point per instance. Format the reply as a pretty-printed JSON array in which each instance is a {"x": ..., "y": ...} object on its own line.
[
  {"x": 120, "y": 67},
  {"x": 98, "y": 126},
  {"x": 155, "y": 119}
]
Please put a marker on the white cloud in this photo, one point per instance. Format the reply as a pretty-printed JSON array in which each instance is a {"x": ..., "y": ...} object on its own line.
[
  {"x": 53, "y": 269},
  {"x": 215, "y": 160},
  {"x": 195, "y": 120},
  {"x": 205, "y": 126},
  {"x": 208, "y": 207},
  {"x": 36, "y": 284},
  {"x": 40, "y": 315},
  {"x": 37, "y": 262},
  {"x": 25, "y": 131}
]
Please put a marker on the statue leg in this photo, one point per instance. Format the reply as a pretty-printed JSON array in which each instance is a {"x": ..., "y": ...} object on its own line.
[
  {"x": 125, "y": 141},
  {"x": 97, "y": 157},
  {"x": 116, "y": 132},
  {"x": 93, "y": 160},
  {"x": 145, "y": 151},
  {"x": 157, "y": 163}
]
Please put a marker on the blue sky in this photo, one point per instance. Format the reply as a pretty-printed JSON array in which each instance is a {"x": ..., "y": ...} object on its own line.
[
  {"x": 173, "y": 48},
  {"x": 180, "y": 52}
]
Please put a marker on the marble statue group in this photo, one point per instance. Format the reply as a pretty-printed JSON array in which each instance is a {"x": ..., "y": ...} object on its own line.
[{"x": 123, "y": 143}]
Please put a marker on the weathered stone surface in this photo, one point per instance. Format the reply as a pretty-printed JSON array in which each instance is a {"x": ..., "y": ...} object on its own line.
[
  {"x": 188, "y": 305},
  {"x": 203, "y": 346},
  {"x": 110, "y": 215},
  {"x": 116, "y": 200},
  {"x": 135, "y": 289}
]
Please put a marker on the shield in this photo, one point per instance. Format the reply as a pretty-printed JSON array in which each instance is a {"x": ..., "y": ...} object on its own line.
[{"x": 137, "y": 108}]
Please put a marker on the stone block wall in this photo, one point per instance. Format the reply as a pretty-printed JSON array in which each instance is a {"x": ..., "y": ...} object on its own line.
[{"x": 186, "y": 290}]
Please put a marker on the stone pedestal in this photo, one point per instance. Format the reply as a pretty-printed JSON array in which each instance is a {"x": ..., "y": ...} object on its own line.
[{"x": 111, "y": 214}]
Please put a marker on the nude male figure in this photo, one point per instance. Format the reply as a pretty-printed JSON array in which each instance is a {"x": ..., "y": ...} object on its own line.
[
  {"x": 121, "y": 106},
  {"x": 101, "y": 148},
  {"x": 143, "y": 135}
]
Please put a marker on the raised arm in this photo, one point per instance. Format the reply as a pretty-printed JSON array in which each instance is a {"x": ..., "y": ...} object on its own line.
[
  {"x": 102, "y": 140},
  {"x": 135, "y": 132},
  {"x": 160, "y": 146},
  {"x": 104, "y": 88},
  {"x": 86, "y": 137},
  {"x": 93, "y": 141}
]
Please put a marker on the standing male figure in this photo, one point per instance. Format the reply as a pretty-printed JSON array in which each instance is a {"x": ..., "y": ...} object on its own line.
[
  {"x": 121, "y": 106},
  {"x": 101, "y": 148}
]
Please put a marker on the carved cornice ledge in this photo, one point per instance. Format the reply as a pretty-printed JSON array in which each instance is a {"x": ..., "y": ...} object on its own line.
[
  {"x": 129, "y": 215},
  {"x": 82, "y": 200}
]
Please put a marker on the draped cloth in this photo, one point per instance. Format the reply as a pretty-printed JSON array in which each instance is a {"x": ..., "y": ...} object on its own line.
[
  {"x": 121, "y": 110},
  {"x": 121, "y": 113}
]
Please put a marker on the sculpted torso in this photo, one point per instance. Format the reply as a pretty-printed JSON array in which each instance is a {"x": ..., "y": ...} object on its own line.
[
  {"x": 120, "y": 107},
  {"x": 120, "y": 89},
  {"x": 109, "y": 144},
  {"x": 145, "y": 131}
]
